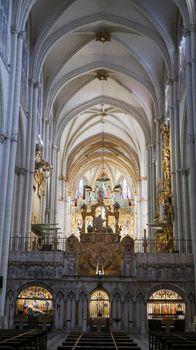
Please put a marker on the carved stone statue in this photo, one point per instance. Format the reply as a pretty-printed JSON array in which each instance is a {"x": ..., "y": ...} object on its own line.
[{"x": 99, "y": 223}]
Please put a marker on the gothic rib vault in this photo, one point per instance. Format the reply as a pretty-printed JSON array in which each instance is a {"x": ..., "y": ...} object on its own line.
[{"x": 86, "y": 87}]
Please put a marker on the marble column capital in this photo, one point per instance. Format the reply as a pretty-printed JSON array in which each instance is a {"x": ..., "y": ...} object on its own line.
[
  {"x": 20, "y": 171},
  {"x": 3, "y": 138},
  {"x": 62, "y": 178},
  {"x": 55, "y": 147},
  {"x": 170, "y": 81},
  {"x": 14, "y": 30},
  {"x": 21, "y": 35},
  {"x": 37, "y": 84},
  {"x": 45, "y": 120},
  {"x": 192, "y": 28},
  {"x": 150, "y": 146},
  {"x": 187, "y": 32}
]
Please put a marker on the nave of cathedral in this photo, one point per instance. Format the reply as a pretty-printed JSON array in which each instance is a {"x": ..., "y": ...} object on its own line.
[{"x": 98, "y": 165}]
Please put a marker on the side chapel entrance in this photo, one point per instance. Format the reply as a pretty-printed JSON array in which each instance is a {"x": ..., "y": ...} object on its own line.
[{"x": 99, "y": 311}]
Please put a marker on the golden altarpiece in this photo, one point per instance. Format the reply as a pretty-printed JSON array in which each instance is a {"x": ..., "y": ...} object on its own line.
[
  {"x": 100, "y": 251},
  {"x": 100, "y": 247}
]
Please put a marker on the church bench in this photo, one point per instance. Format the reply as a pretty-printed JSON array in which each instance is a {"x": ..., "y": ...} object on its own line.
[
  {"x": 183, "y": 347},
  {"x": 159, "y": 340},
  {"x": 31, "y": 340}
]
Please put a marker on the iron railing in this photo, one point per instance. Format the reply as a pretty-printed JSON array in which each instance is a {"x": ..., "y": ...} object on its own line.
[{"x": 59, "y": 244}]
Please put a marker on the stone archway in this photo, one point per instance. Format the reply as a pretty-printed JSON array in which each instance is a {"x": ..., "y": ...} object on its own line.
[
  {"x": 34, "y": 307},
  {"x": 99, "y": 310},
  {"x": 166, "y": 310}
]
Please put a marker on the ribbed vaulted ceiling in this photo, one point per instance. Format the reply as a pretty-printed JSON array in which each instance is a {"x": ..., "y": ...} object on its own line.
[{"x": 128, "y": 98}]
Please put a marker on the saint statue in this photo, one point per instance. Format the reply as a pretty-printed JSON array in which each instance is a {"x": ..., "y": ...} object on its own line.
[{"x": 99, "y": 223}]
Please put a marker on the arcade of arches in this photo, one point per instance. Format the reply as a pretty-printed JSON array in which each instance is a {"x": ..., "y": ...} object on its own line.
[{"x": 97, "y": 163}]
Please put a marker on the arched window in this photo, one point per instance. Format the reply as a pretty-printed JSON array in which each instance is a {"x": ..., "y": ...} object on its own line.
[
  {"x": 36, "y": 300},
  {"x": 182, "y": 61},
  {"x": 166, "y": 303},
  {"x": 80, "y": 189},
  {"x": 167, "y": 100},
  {"x": 126, "y": 193},
  {"x": 99, "y": 304}
]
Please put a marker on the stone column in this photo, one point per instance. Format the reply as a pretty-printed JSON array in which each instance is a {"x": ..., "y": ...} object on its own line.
[
  {"x": 68, "y": 314},
  {"x": 85, "y": 315},
  {"x": 59, "y": 312},
  {"x": 53, "y": 185},
  {"x": 191, "y": 145},
  {"x": 136, "y": 200},
  {"x": 186, "y": 211},
  {"x": 172, "y": 153},
  {"x": 138, "y": 315},
  {"x": 177, "y": 162},
  {"x": 116, "y": 313},
  {"x": 18, "y": 201},
  {"x": 122, "y": 313},
  {"x": 130, "y": 315},
  {"x": 31, "y": 120},
  {"x": 190, "y": 311},
  {"x": 6, "y": 140},
  {"x": 151, "y": 185},
  {"x": 134, "y": 317},
  {"x": 77, "y": 312},
  {"x": 73, "y": 313},
  {"x": 10, "y": 171},
  {"x": 193, "y": 70},
  {"x": 46, "y": 144},
  {"x": 82, "y": 313},
  {"x": 150, "y": 192},
  {"x": 31, "y": 162},
  {"x": 10, "y": 309}
]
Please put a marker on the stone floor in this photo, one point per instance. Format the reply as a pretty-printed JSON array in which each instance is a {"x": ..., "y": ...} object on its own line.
[{"x": 55, "y": 338}]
